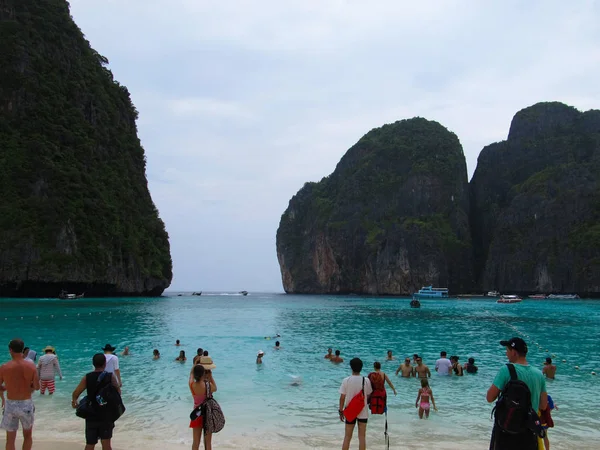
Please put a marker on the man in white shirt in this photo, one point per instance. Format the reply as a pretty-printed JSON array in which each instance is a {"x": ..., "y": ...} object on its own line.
[
  {"x": 350, "y": 387},
  {"x": 112, "y": 362},
  {"x": 443, "y": 366}
]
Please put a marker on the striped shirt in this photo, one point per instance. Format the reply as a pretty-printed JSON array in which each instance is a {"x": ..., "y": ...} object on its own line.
[{"x": 47, "y": 366}]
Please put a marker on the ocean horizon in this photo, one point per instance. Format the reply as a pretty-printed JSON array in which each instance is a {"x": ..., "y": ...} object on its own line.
[{"x": 291, "y": 400}]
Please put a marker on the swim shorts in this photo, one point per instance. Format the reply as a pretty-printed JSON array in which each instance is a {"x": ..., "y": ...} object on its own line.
[
  {"x": 98, "y": 430},
  {"x": 16, "y": 411},
  {"x": 354, "y": 421}
]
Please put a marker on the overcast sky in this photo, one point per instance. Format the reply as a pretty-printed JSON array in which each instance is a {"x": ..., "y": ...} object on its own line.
[{"x": 243, "y": 102}]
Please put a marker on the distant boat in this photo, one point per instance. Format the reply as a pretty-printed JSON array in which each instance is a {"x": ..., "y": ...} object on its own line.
[
  {"x": 64, "y": 295},
  {"x": 431, "y": 292},
  {"x": 415, "y": 303},
  {"x": 197, "y": 293},
  {"x": 509, "y": 299},
  {"x": 244, "y": 292},
  {"x": 538, "y": 296},
  {"x": 493, "y": 294},
  {"x": 469, "y": 296},
  {"x": 563, "y": 296}
]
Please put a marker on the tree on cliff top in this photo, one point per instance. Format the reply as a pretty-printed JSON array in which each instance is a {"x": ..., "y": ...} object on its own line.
[{"x": 75, "y": 205}]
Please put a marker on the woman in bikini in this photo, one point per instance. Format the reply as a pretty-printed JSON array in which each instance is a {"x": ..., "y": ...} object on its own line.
[
  {"x": 424, "y": 395},
  {"x": 198, "y": 386}
]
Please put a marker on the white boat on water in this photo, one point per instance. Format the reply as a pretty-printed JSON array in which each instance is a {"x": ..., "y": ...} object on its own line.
[
  {"x": 509, "y": 299},
  {"x": 431, "y": 292},
  {"x": 562, "y": 296},
  {"x": 493, "y": 293}
]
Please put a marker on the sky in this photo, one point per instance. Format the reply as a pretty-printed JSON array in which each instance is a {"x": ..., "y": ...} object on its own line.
[{"x": 243, "y": 102}]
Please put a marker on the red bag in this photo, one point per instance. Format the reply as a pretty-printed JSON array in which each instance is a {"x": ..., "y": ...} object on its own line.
[
  {"x": 356, "y": 405},
  {"x": 546, "y": 418},
  {"x": 379, "y": 396},
  {"x": 378, "y": 401}
]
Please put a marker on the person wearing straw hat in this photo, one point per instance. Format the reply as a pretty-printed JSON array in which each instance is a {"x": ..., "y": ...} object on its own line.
[
  {"x": 209, "y": 365},
  {"x": 259, "y": 357},
  {"x": 47, "y": 367},
  {"x": 112, "y": 362}
]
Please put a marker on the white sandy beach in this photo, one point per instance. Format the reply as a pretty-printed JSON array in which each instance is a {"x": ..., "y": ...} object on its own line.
[{"x": 405, "y": 443}]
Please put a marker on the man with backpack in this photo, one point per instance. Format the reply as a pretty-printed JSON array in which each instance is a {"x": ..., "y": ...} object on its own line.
[
  {"x": 521, "y": 392},
  {"x": 100, "y": 426}
]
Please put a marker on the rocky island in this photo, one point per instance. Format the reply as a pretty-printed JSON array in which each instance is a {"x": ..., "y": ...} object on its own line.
[
  {"x": 75, "y": 210},
  {"x": 392, "y": 217},
  {"x": 397, "y": 213},
  {"x": 535, "y": 204}
]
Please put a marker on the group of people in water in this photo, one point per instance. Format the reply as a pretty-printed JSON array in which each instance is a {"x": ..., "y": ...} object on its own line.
[{"x": 372, "y": 388}]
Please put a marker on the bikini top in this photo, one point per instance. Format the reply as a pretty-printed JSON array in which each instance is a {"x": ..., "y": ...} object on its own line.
[{"x": 198, "y": 398}]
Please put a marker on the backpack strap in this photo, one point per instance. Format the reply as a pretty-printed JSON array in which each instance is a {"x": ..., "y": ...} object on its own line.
[
  {"x": 208, "y": 390},
  {"x": 513, "y": 372}
]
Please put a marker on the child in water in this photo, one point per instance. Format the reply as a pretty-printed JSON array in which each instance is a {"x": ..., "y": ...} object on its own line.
[{"x": 424, "y": 395}]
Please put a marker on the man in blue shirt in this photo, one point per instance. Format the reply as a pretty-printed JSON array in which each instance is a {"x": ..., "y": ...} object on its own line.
[{"x": 516, "y": 352}]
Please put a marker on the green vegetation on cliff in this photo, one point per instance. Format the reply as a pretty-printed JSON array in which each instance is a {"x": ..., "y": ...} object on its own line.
[
  {"x": 400, "y": 190},
  {"x": 75, "y": 207},
  {"x": 536, "y": 202}
]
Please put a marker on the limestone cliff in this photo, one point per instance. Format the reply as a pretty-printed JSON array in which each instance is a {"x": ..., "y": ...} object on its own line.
[
  {"x": 392, "y": 217},
  {"x": 535, "y": 204},
  {"x": 75, "y": 210}
]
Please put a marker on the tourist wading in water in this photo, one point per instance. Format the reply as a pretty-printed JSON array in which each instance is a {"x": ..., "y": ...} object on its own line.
[
  {"x": 549, "y": 369},
  {"x": 337, "y": 358},
  {"x": 406, "y": 368},
  {"x": 424, "y": 395},
  {"x": 47, "y": 367},
  {"x": 421, "y": 370}
]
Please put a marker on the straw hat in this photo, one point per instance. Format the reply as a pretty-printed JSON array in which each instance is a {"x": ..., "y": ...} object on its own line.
[
  {"x": 207, "y": 363},
  {"x": 48, "y": 348}
]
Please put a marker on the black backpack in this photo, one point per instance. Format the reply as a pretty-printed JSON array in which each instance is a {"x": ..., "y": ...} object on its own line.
[
  {"x": 110, "y": 404},
  {"x": 513, "y": 413}
]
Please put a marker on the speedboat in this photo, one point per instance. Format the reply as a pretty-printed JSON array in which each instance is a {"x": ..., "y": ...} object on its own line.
[
  {"x": 538, "y": 296},
  {"x": 563, "y": 296},
  {"x": 431, "y": 292},
  {"x": 493, "y": 294},
  {"x": 509, "y": 299},
  {"x": 197, "y": 293},
  {"x": 244, "y": 292}
]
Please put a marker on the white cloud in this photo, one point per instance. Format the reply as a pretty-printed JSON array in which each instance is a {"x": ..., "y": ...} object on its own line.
[{"x": 242, "y": 102}]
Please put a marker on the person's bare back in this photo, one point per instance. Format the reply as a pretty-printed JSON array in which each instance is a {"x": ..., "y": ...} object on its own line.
[
  {"x": 549, "y": 370},
  {"x": 20, "y": 379}
]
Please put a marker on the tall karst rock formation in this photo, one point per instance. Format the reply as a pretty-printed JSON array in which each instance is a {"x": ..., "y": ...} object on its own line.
[
  {"x": 75, "y": 210},
  {"x": 392, "y": 217},
  {"x": 535, "y": 204}
]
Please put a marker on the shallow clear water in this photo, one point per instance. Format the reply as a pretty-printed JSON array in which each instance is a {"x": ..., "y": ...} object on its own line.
[{"x": 263, "y": 409}]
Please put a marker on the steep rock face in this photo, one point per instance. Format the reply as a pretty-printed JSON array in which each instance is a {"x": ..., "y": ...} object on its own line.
[
  {"x": 75, "y": 210},
  {"x": 392, "y": 217},
  {"x": 535, "y": 204}
]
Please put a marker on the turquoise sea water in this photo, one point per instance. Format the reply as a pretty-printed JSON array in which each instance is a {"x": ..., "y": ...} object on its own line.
[{"x": 263, "y": 409}]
